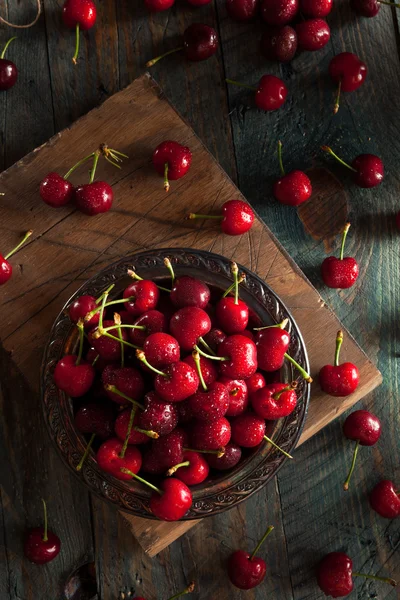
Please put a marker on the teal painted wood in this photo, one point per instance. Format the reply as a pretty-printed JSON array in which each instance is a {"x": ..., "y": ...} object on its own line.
[{"x": 306, "y": 504}]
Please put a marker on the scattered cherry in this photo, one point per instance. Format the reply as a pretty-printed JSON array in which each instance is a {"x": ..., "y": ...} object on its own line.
[
  {"x": 293, "y": 188},
  {"x": 340, "y": 273},
  {"x": 199, "y": 43},
  {"x": 81, "y": 16},
  {"x": 367, "y": 8},
  {"x": 94, "y": 198},
  {"x": 270, "y": 94},
  {"x": 349, "y": 72},
  {"x": 245, "y": 570},
  {"x": 41, "y": 545},
  {"x": 385, "y": 500},
  {"x": 6, "y": 267},
  {"x": 279, "y": 43},
  {"x": 237, "y": 217},
  {"x": 339, "y": 379},
  {"x": 313, "y": 34},
  {"x": 172, "y": 161},
  {"x": 279, "y": 12},
  {"x": 368, "y": 169},
  {"x": 365, "y": 429},
  {"x": 56, "y": 191},
  {"x": 242, "y": 10},
  {"x": 8, "y": 69}
]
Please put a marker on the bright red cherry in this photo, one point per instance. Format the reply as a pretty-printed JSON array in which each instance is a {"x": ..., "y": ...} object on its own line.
[
  {"x": 339, "y": 379},
  {"x": 96, "y": 418},
  {"x": 161, "y": 350},
  {"x": 199, "y": 43},
  {"x": 365, "y": 429},
  {"x": 248, "y": 431},
  {"x": 335, "y": 575},
  {"x": 158, "y": 416},
  {"x": 255, "y": 382},
  {"x": 114, "y": 455},
  {"x": 158, "y": 5},
  {"x": 272, "y": 343},
  {"x": 41, "y": 545},
  {"x": 141, "y": 296},
  {"x": 279, "y": 43},
  {"x": 313, "y": 34},
  {"x": 231, "y": 312},
  {"x": 172, "y": 161},
  {"x": 340, "y": 273},
  {"x": 94, "y": 198},
  {"x": 230, "y": 458},
  {"x": 279, "y": 12},
  {"x": 237, "y": 217},
  {"x": 108, "y": 347},
  {"x": 153, "y": 321},
  {"x": 275, "y": 401},
  {"x": 81, "y": 307},
  {"x": 193, "y": 469},
  {"x": 79, "y": 15},
  {"x": 6, "y": 267},
  {"x": 316, "y": 8},
  {"x": 238, "y": 395},
  {"x": 245, "y": 570},
  {"x": 56, "y": 190},
  {"x": 211, "y": 403},
  {"x": 366, "y": 8},
  {"x": 188, "y": 324},
  {"x": 73, "y": 376},
  {"x": 8, "y": 69},
  {"x": 348, "y": 71},
  {"x": 293, "y": 188},
  {"x": 368, "y": 169},
  {"x": 176, "y": 383},
  {"x": 206, "y": 435},
  {"x": 189, "y": 291},
  {"x": 385, "y": 499},
  {"x": 172, "y": 501},
  {"x": 271, "y": 93},
  {"x": 242, "y": 10}
]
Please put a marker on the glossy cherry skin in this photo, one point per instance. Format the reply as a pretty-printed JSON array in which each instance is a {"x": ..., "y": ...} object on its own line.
[
  {"x": 158, "y": 416},
  {"x": 161, "y": 350},
  {"x": 232, "y": 318},
  {"x": 255, "y": 382},
  {"x": 145, "y": 296},
  {"x": 248, "y": 430},
  {"x": 274, "y": 401},
  {"x": 348, "y": 70},
  {"x": 199, "y": 42},
  {"x": 97, "y": 418},
  {"x": 316, "y": 8},
  {"x": 81, "y": 12},
  {"x": 74, "y": 380},
  {"x": 362, "y": 426},
  {"x": 158, "y": 5},
  {"x": 81, "y": 307},
  {"x": 189, "y": 291},
  {"x": 279, "y": 12},
  {"x": 313, "y": 34},
  {"x": 339, "y": 273},
  {"x": 230, "y": 459},
  {"x": 272, "y": 343},
  {"x": 5, "y": 270},
  {"x": 215, "y": 337},
  {"x": 238, "y": 395},
  {"x": 238, "y": 217},
  {"x": 109, "y": 460},
  {"x": 384, "y": 500},
  {"x": 246, "y": 573},
  {"x": 370, "y": 170},
  {"x": 271, "y": 93},
  {"x": 8, "y": 74},
  {"x": 127, "y": 380},
  {"x": 56, "y": 191},
  {"x": 242, "y": 354},
  {"x": 121, "y": 428},
  {"x": 169, "y": 448},
  {"x": 242, "y": 10},
  {"x": 208, "y": 368},
  {"x": 293, "y": 189},
  {"x": 196, "y": 472},
  {"x": 279, "y": 43},
  {"x": 94, "y": 198},
  {"x": 108, "y": 348},
  {"x": 206, "y": 435},
  {"x": 39, "y": 551},
  {"x": 153, "y": 320},
  {"x": 334, "y": 575},
  {"x": 210, "y": 405},
  {"x": 181, "y": 381},
  {"x": 178, "y": 158},
  {"x": 175, "y": 501},
  {"x": 188, "y": 324},
  {"x": 366, "y": 8},
  {"x": 339, "y": 381}
]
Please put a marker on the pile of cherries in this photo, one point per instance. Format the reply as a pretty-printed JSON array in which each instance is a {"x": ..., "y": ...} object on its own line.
[{"x": 175, "y": 381}]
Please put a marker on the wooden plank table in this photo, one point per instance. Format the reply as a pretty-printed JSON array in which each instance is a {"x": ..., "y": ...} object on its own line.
[{"x": 305, "y": 503}]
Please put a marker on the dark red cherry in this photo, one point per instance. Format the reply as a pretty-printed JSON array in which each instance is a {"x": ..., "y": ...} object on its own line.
[
  {"x": 109, "y": 459},
  {"x": 188, "y": 324},
  {"x": 206, "y": 435},
  {"x": 173, "y": 502},
  {"x": 80, "y": 307},
  {"x": 242, "y": 357},
  {"x": 73, "y": 377},
  {"x": 348, "y": 70},
  {"x": 339, "y": 379},
  {"x": 200, "y": 42},
  {"x": 143, "y": 296},
  {"x": 246, "y": 570},
  {"x": 365, "y": 429},
  {"x": 238, "y": 395},
  {"x": 316, "y": 8},
  {"x": 189, "y": 291},
  {"x": 366, "y": 8},
  {"x": 56, "y": 191},
  {"x": 41, "y": 545},
  {"x": 136, "y": 437},
  {"x": 161, "y": 350},
  {"x": 215, "y": 336},
  {"x": 108, "y": 348},
  {"x": 172, "y": 161},
  {"x": 385, "y": 499},
  {"x": 170, "y": 447},
  {"x": 279, "y": 43},
  {"x": 158, "y": 416},
  {"x": 97, "y": 418},
  {"x": 368, "y": 169},
  {"x": 127, "y": 380},
  {"x": 279, "y": 12},
  {"x": 230, "y": 458},
  {"x": 94, "y": 198},
  {"x": 271, "y": 93},
  {"x": 8, "y": 69},
  {"x": 313, "y": 34},
  {"x": 242, "y": 10},
  {"x": 153, "y": 320},
  {"x": 210, "y": 404}
]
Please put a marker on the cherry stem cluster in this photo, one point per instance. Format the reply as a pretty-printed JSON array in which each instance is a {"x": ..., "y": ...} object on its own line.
[
  {"x": 142, "y": 357},
  {"x": 112, "y": 156},
  {"x": 85, "y": 454},
  {"x": 210, "y": 356},
  {"x": 18, "y": 246},
  {"x": 134, "y": 275},
  {"x": 260, "y": 543},
  {"x": 107, "y": 291},
  {"x": 232, "y": 286}
]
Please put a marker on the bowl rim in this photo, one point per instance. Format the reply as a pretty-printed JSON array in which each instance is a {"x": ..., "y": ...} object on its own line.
[{"x": 117, "y": 491}]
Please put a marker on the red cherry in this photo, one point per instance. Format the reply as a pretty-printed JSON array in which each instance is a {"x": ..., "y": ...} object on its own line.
[
  {"x": 210, "y": 404},
  {"x": 214, "y": 337},
  {"x": 366, "y": 8},
  {"x": 316, "y": 8},
  {"x": 158, "y": 416},
  {"x": 127, "y": 380},
  {"x": 275, "y": 401},
  {"x": 109, "y": 459},
  {"x": 279, "y": 43},
  {"x": 313, "y": 34},
  {"x": 208, "y": 368},
  {"x": 272, "y": 343},
  {"x": 348, "y": 71},
  {"x": 293, "y": 188},
  {"x": 178, "y": 381},
  {"x": 95, "y": 418},
  {"x": 241, "y": 355},
  {"x": 169, "y": 448},
  {"x": 81, "y": 307},
  {"x": 6, "y": 267},
  {"x": 230, "y": 458},
  {"x": 271, "y": 93},
  {"x": 206, "y": 435},
  {"x": 56, "y": 191},
  {"x": 158, "y": 5},
  {"x": 72, "y": 378},
  {"x": 172, "y": 161},
  {"x": 153, "y": 320},
  {"x": 79, "y": 15},
  {"x": 385, "y": 500},
  {"x": 248, "y": 430},
  {"x": 41, "y": 545},
  {"x": 189, "y": 291},
  {"x": 238, "y": 395},
  {"x": 365, "y": 429},
  {"x": 237, "y": 217},
  {"x": 242, "y": 10},
  {"x": 255, "y": 382},
  {"x": 173, "y": 502},
  {"x": 143, "y": 296},
  {"x": 231, "y": 312},
  {"x": 99, "y": 363},
  {"x": 339, "y": 380},
  {"x": 245, "y": 570},
  {"x": 340, "y": 273},
  {"x": 8, "y": 69},
  {"x": 108, "y": 348},
  {"x": 368, "y": 169},
  {"x": 188, "y": 324},
  {"x": 136, "y": 437},
  {"x": 279, "y": 12},
  {"x": 94, "y": 198},
  {"x": 193, "y": 468},
  {"x": 200, "y": 42},
  {"x": 161, "y": 350}
]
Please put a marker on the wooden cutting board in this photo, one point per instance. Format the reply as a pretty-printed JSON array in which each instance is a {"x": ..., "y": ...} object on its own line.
[{"x": 68, "y": 247}]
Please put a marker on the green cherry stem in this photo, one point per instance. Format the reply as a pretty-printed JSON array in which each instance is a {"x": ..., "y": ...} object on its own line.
[
  {"x": 281, "y": 325},
  {"x": 108, "y": 290},
  {"x": 77, "y": 39},
  {"x": 134, "y": 275},
  {"x": 239, "y": 84},
  {"x": 331, "y": 152},
  {"x": 192, "y": 216},
  {"x": 115, "y": 390},
  {"x": 95, "y": 360},
  {"x": 114, "y": 154},
  {"x": 210, "y": 356},
  {"x": 300, "y": 369},
  {"x": 45, "y": 536},
  {"x": 218, "y": 453},
  {"x": 174, "y": 469},
  {"x": 166, "y": 182},
  {"x": 124, "y": 326},
  {"x": 94, "y": 166},
  {"x": 128, "y": 432},
  {"x": 134, "y": 476},
  {"x": 196, "y": 358},
  {"x": 153, "y": 61},
  {"x": 337, "y": 101},
  {"x": 85, "y": 454},
  {"x": 111, "y": 303},
  {"x": 232, "y": 286},
  {"x": 103, "y": 304},
  {"x": 260, "y": 543},
  {"x": 289, "y": 388},
  {"x": 142, "y": 357},
  {"x": 280, "y": 158},
  {"x": 170, "y": 268},
  {"x": 101, "y": 331},
  {"x": 206, "y": 346},
  {"x": 18, "y": 246},
  {"x": 353, "y": 464},
  {"x": 151, "y": 434},
  {"x": 78, "y": 164},
  {"x": 344, "y": 236},
  {"x": 388, "y": 580},
  {"x": 188, "y": 590},
  {"x": 117, "y": 321},
  {"x": 80, "y": 326},
  {"x": 267, "y": 439},
  {"x": 235, "y": 271},
  {"x": 339, "y": 342},
  {"x": 6, "y": 46}
]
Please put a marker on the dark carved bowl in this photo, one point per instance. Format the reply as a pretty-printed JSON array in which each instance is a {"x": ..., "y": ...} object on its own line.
[{"x": 219, "y": 492}]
